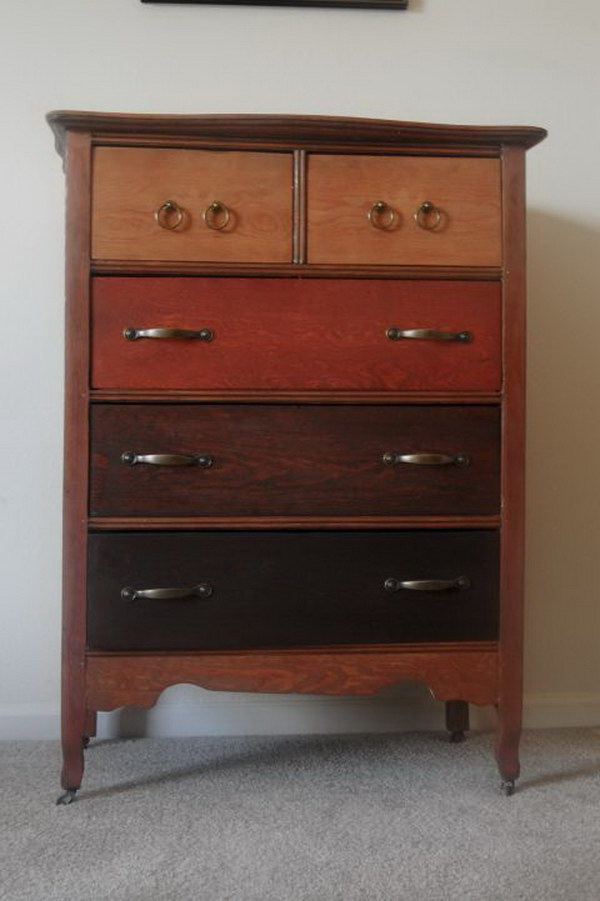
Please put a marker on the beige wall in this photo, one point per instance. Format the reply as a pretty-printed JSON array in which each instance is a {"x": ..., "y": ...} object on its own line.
[{"x": 465, "y": 61}]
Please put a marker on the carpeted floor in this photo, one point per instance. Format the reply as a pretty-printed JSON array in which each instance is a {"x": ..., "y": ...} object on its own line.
[{"x": 403, "y": 817}]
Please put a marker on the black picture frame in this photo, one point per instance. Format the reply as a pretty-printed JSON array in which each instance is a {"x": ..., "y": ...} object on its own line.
[{"x": 361, "y": 4}]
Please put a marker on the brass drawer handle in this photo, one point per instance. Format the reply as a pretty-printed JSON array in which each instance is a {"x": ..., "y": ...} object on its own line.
[
  {"x": 202, "y": 590},
  {"x": 393, "y": 585},
  {"x": 169, "y": 215},
  {"x": 383, "y": 216},
  {"x": 393, "y": 459},
  {"x": 203, "y": 334},
  {"x": 217, "y": 215},
  {"x": 205, "y": 461},
  {"x": 428, "y": 216},
  {"x": 427, "y": 334}
]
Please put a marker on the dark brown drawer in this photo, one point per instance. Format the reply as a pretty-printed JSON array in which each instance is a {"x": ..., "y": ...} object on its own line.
[
  {"x": 286, "y": 460},
  {"x": 268, "y": 589},
  {"x": 295, "y": 334}
]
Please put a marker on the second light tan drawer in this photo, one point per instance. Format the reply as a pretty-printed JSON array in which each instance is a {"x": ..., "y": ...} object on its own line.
[
  {"x": 205, "y": 205},
  {"x": 401, "y": 210}
]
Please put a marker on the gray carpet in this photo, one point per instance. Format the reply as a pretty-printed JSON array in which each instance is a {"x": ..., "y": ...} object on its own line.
[{"x": 350, "y": 818}]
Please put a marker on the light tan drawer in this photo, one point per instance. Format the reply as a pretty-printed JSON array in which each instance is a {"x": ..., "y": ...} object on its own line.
[
  {"x": 159, "y": 204},
  {"x": 369, "y": 209}
]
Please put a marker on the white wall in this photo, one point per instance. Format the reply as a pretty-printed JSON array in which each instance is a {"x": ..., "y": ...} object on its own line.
[{"x": 465, "y": 61}]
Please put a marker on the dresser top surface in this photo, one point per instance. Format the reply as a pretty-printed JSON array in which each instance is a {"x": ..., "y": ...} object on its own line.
[{"x": 289, "y": 130}]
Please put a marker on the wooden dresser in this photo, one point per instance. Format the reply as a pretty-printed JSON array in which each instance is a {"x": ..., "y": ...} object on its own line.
[{"x": 294, "y": 433}]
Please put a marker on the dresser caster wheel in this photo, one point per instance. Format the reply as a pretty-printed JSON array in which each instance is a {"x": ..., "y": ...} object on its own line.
[
  {"x": 456, "y": 737},
  {"x": 508, "y": 787},
  {"x": 67, "y": 797}
]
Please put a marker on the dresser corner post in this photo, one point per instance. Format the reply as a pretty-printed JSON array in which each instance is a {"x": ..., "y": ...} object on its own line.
[
  {"x": 74, "y": 718},
  {"x": 512, "y": 557}
]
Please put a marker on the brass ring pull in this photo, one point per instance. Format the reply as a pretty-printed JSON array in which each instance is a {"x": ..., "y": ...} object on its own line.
[
  {"x": 217, "y": 215},
  {"x": 383, "y": 216},
  {"x": 169, "y": 215},
  {"x": 428, "y": 216}
]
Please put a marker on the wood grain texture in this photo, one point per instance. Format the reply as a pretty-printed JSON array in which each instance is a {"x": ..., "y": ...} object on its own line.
[
  {"x": 130, "y": 185},
  {"x": 77, "y": 162},
  {"x": 512, "y": 554},
  {"x": 274, "y": 334},
  {"x": 468, "y": 672},
  {"x": 294, "y": 460},
  {"x": 282, "y": 589},
  {"x": 342, "y": 190},
  {"x": 292, "y": 131}
]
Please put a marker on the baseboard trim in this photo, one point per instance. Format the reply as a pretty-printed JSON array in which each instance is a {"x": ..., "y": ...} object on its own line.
[
  {"x": 196, "y": 712},
  {"x": 29, "y": 721},
  {"x": 545, "y": 710}
]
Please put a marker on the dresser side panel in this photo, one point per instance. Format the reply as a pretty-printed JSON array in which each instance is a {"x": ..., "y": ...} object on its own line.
[
  {"x": 75, "y": 452},
  {"x": 512, "y": 463}
]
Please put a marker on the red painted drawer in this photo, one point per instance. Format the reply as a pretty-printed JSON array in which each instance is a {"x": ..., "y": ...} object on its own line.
[
  {"x": 294, "y": 334},
  {"x": 287, "y": 460}
]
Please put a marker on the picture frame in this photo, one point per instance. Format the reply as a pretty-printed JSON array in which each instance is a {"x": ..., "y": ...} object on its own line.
[{"x": 359, "y": 4}]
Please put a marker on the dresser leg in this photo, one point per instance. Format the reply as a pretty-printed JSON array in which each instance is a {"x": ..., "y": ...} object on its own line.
[
  {"x": 72, "y": 772},
  {"x": 91, "y": 721},
  {"x": 457, "y": 720},
  {"x": 74, "y": 727},
  {"x": 507, "y": 746}
]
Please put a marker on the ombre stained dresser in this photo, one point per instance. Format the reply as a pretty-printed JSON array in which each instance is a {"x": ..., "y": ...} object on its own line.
[{"x": 294, "y": 441}]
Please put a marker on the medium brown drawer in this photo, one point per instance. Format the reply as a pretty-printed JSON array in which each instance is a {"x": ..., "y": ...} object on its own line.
[
  {"x": 345, "y": 225},
  {"x": 253, "y": 460},
  {"x": 253, "y": 589},
  {"x": 253, "y": 222},
  {"x": 294, "y": 334}
]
